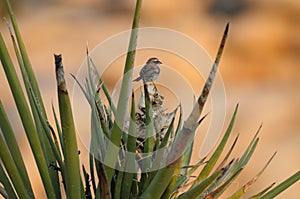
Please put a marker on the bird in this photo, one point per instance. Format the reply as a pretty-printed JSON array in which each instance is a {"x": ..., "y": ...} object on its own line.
[{"x": 150, "y": 71}]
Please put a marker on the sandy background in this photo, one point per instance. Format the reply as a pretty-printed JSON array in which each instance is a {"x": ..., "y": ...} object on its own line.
[{"x": 260, "y": 66}]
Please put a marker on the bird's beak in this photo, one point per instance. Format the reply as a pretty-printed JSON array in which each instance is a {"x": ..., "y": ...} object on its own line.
[{"x": 159, "y": 62}]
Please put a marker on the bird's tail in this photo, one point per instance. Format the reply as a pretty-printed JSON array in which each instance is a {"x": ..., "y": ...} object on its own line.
[{"x": 137, "y": 79}]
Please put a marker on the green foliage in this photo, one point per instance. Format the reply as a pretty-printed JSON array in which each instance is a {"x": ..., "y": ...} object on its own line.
[{"x": 115, "y": 141}]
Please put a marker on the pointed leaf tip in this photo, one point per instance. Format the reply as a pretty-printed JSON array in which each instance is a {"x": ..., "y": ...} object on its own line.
[
  {"x": 87, "y": 49},
  {"x": 225, "y": 34},
  {"x": 227, "y": 27},
  {"x": 223, "y": 41},
  {"x": 199, "y": 122}
]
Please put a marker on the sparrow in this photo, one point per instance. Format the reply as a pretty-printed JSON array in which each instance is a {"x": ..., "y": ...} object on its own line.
[{"x": 150, "y": 70}]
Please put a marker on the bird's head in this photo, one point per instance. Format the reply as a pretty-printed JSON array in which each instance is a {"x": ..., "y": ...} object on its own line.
[{"x": 153, "y": 60}]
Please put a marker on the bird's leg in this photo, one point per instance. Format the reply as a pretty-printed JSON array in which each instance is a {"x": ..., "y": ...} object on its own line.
[{"x": 154, "y": 85}]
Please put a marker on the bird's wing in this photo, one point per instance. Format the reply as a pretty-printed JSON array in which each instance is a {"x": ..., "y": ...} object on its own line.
[{"x": 145, "y": 70}]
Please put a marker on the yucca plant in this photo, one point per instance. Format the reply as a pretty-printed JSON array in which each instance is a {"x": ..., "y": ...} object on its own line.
[{"x": 147, "y": 156}]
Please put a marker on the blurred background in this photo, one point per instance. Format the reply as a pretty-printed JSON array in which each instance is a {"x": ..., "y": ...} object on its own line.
[{"x": 260, "y": 66}]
